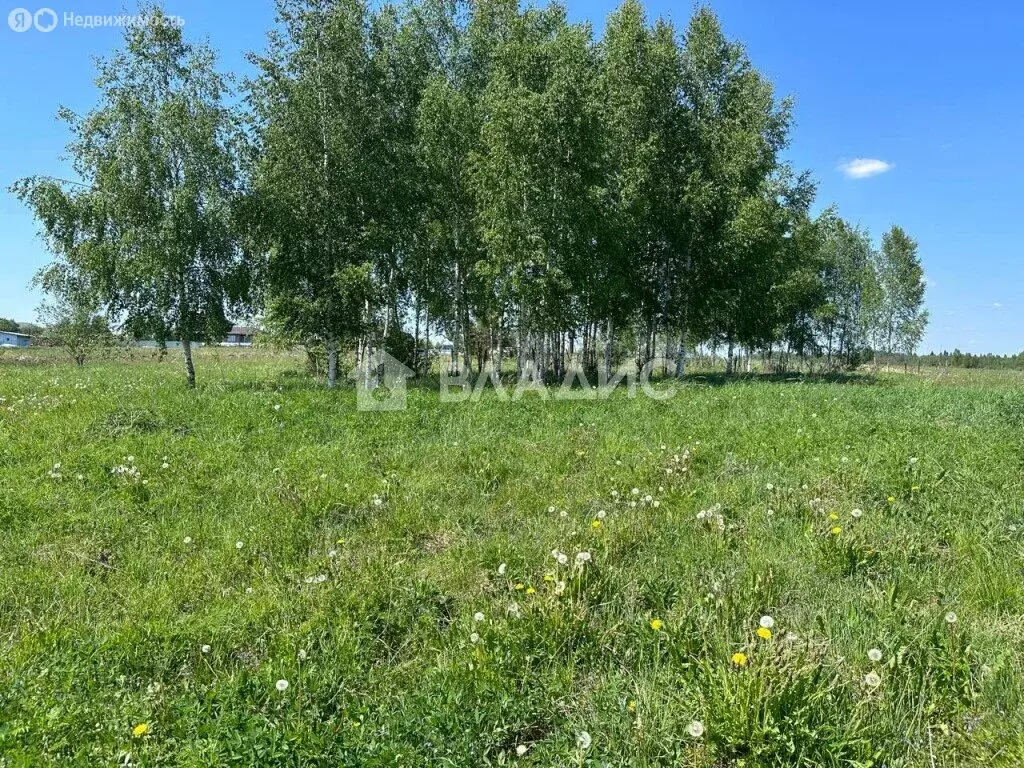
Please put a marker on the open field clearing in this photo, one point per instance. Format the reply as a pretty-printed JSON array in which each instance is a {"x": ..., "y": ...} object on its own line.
[{"x": 751, "y": 573}]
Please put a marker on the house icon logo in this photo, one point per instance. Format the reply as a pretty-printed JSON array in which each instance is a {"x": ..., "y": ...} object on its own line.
[{"x": 380, "y": 385}]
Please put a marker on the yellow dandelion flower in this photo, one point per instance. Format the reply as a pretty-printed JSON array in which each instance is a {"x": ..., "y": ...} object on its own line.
[
  {"x": 739, "y": 659},
  {"x": 836, "y": 530},
  {"x": 764, "y": 633},
  {"x": 519, "y": 585},
  {"x": 596, "y": 524},
  {"x": 891, "y": 499},
  {"x": 549, "y": 577},
  {"x": 656, "y": 624},
  {"x": 140, "y": 730},
  {"x": 631, "y": 706},
  {"x": 833, "y": 516},
  {"x": 915, "y": 487},
  {"x": 531, "y": 591}
]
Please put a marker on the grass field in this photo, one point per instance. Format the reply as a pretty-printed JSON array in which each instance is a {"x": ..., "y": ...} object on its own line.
[{"x": 170, "y": 556}]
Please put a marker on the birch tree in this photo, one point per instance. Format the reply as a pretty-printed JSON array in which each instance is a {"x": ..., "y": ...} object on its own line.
[{"x": 148, "y": 223}]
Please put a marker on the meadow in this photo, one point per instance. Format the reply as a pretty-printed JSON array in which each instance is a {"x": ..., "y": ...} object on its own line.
[{"x": 759, "y": 571}]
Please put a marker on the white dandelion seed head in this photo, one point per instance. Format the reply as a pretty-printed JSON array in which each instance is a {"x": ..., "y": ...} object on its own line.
[
  {"x": 521, "y": 750},
  {"x": 559, "y": 587},
  {"x": 281, "y": 685},
  {"x": 872, "y": 680},
  {"x": 875, "y": 654},
  {"x": 205, "y": 649},
  {"x": 551, "y": 509},
  {"x": 239, "y": 544},
  {"x": 767, "y": 622},
  {"x": 474, "y": 638},
  {"x": 656, "y": 503},
  {"x": 951, "y": 618},
  {"x": 277, "y": 407},
  {"x": 187, "y": 539},
  {"x": 302, "y": 655},
  {"x": 913, "y": 459},
  {"x": 502, "y": 569},
  {"x": 583, "y": 740},
  {"x": 635, "y": 491},
  {"x": 478, "y": 616},
  {"x": 769, "y": 486},
  {"x": 583, "y": 557},
  {"x": 601, "y": 515},
  {"x": 615, "y": 493},
  {"x": 165, "y": 465},
  {"x": 695, "y": 729},
  {"x": 857, "y": 512}
]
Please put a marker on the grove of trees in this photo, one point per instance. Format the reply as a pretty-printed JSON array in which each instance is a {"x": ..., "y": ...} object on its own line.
[{"x": 481, "y": 171}]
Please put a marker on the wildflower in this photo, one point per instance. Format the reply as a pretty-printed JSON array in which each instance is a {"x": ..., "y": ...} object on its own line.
[
  {"x": 531, "y": 591},
  {"x": 891, "y": 499},
  {"x": 165, "y": 465},
  {"x": 764, "y": 633},
  {"x": 562, "y": 558},
  {"x": 769, "y": 486},
  {"x": 875, "y": 654},
  {"x": 872, "y": 680},
  {"x": 583, "y": 741},
  {"x": 596, "y": 524},
  {"x": 695, "y": 729},
  {"x": 635, "y": 491},
  {"x": 601, "y": 515},
  {"x": 913, "y": 459},
  {"x": 521, "y": 750},
  {"x": 140, "y": 730},
  {"x": 656, "y": 503},
  {"x": 739, "y": 659},
  {"x": 915, "y": 487},
  {"x": 302, "y": 655},
  {"x": 187, "y": 539},
  {"x": 631, "y": 706},
  {"x": 478, "y": 616},
  {"x": 951, "y": 618},
  {"x": 474, "y": 638},
  {"x": 281, "y": 685},
  {"x": 519, "y": 585},
  {"x": 648, "y": 498},
  {"x": 277, "y": 407},
  {"x": 560, "y": 588},
  {"x": 502, "y": 568},
  {"x": 857, "y": 513},
  {"x": 833, "y": 516},
  {"x": 239, "y": 544},
  {"x": 205, "y": 649},
  {"x": 767, "y": 622},
  {"x": 551, "y": 509},
  {"x": 656, "y": 624},
  {"x": 836, "y": 530},
  {"x": 582, "y": 557},
  {"x": 549, "y": 577}
]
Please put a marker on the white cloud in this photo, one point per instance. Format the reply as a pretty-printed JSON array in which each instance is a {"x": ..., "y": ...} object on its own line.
[
  {"x": 864, "y": 167},
  {"x": 997, "y": 305}
]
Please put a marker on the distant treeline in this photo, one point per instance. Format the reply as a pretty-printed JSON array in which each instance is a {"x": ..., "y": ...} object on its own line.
[{"x": 958, "y": 359}]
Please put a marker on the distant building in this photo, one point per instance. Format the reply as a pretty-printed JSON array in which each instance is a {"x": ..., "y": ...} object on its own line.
[
  {"x": 240, "y": 336},
  {"x": 11, "y": 339}
]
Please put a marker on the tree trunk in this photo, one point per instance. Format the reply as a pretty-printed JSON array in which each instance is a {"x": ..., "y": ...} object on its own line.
[
  {"x": 332, "y": 363},
  {"x": 608, "y": 352},
  {"x": 190, "y": 369}
]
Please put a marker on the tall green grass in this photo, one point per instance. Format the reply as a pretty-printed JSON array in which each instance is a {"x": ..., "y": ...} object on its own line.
[{"x": 170, "y": 556}]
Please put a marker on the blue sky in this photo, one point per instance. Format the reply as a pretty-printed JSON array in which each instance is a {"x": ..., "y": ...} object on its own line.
[{"x": 931, "y": 89}]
